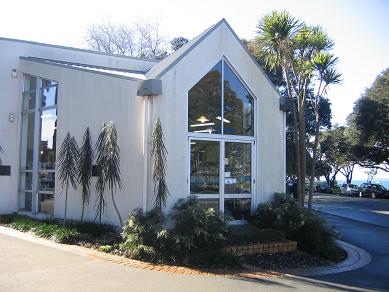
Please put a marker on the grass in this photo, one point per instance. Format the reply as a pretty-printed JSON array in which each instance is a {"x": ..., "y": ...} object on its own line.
[{"x": 73, "y": 232}]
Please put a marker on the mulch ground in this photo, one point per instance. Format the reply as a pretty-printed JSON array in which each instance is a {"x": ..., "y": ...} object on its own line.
[{"x": 285, "y": 260}]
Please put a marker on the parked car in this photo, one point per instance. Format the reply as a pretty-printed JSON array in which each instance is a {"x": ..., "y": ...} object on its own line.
[
  {"x": 373, "y": 191},
  {"x": 349, "y": 189},
  {"x": 323, "y": 187}
]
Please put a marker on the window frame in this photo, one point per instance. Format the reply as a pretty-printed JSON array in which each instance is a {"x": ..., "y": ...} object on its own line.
[
  {"x": 222, "y": 139},
  {"x": 36, "y": 170}
]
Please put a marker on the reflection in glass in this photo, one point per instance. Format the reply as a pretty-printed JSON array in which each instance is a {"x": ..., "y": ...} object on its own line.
[
  {"x": 238, "y": 209},
  {"x": 26, "y": 181},
  {"x": 238, "y": 106},
  {"x": 205, "y": 103},
  {"x": 29, "y": 83},
  {"x": 29, "y": 100},
  {"x": 25, "y": 201},
  {"x": 49, "y": 96},
  {"x": 208, "y": 203},
  {"x": 237, "y": 168},
  {"x": 28, "y": 124},
  {"x": 46, "y": 203},
  {"x": 204, "y": 167},
  {"x": 46, "y": 181},
  {"x": 48, "y": 137}
]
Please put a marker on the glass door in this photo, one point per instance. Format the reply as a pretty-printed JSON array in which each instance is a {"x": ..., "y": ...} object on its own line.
[{"x": 221, "y": 175}]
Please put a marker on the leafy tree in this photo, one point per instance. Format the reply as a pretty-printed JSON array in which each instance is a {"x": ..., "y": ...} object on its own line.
[
  {"x": 85, "y": 169},
  {"x": 369, "y": 124},
  {"x": 108, "y": 162},
  {"x": 299, "y": 51},
  {"x": 177, "y": 43},
  {"x": 159, "y": 155},
  {"x": 67, "y": 166},
  {"x": 337, "y": 154}
]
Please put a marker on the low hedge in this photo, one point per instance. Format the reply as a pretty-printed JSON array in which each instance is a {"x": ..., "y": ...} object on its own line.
[{"x": 301, "y": 225}]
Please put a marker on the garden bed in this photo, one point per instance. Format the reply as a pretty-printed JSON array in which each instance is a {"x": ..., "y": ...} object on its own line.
[{"x": 107, "y": 239}]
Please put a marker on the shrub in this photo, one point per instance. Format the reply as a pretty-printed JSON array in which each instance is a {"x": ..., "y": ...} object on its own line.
[
  {"x": 146, "y": 238},
  {"x": 46, "y": 229},
  {"x": 300, "y": 224},
  {"x": 200, "y": 234}
]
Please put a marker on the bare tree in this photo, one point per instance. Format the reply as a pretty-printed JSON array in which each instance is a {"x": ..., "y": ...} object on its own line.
[{"x": 143, "y": 39}]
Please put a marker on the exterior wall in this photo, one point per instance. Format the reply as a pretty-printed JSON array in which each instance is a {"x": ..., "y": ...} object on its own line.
[
  {"x": 10, "y": 101},
  {"x": 172, "y": 109}
]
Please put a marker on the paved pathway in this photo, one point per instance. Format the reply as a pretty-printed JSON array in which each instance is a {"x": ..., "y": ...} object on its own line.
[
  {"x": 356, "y": 219},
  {"x": 373, "y": 211},
  {"x": 30, "y": 266}
]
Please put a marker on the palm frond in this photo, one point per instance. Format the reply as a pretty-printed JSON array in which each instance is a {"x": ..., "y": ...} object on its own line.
[
  {"x": 159, "y": 155},
  {"x": 67, "y": 162},
  {"x": 85, "y": 168}
]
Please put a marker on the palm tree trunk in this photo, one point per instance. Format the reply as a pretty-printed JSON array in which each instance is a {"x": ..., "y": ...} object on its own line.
[
  {"x": 116, "y": 208},
  {"x": 295, "y": 134},
  {"x": 82, "y": 212},
  {"x": 66, "y": 202},
  {"x": 314, "y": 158}
]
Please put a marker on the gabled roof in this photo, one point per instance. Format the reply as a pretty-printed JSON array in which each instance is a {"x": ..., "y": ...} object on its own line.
[{"x": 159, "y": 69}]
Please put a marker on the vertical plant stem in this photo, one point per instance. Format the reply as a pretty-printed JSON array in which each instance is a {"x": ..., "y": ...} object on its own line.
[{"x": 116, "y": 208}]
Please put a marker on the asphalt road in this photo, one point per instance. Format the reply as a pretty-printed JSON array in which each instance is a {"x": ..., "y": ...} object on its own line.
[{"x": 361, "y": 222}]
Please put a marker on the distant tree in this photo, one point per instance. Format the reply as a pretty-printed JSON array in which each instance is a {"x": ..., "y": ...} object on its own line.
[
  {"x": 1, "y": 152},
  {"x": 67, "y": 166},
  {"x": 159, "y": 156},
  {"x": 369, "y": 124},
  {"x": 85, "y": 169},
  {"x": 177, "y": 43},
  {"x": 337, "y": 153},
  {"x": 144, "y": 39},
  {"x": 108, "y": 162}
]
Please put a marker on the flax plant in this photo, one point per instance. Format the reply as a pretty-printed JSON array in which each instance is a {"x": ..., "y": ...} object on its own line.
[{"x": 67, "y": 166}]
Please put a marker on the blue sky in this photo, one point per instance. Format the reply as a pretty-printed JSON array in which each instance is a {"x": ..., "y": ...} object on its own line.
[{"x": 360, "y": 29}]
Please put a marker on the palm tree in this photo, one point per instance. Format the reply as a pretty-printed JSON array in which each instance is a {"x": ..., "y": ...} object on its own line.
[
  {"x": 159, "y": 154},
  {"x": 67, "y": 166},
  {"x": 286, "y": 43},
  {"x": 326, "y": 75},
  {"x": 108, "y": 161},
  {"x": 85, "y": 169}
]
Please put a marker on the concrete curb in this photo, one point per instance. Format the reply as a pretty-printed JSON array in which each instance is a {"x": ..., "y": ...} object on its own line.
[{"x": 356, "y": 258}]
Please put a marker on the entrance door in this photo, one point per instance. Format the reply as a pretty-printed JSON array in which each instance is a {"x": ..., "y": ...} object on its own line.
[{"x": 221, "y": 175}]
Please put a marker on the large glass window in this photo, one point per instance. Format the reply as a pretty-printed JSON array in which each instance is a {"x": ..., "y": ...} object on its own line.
[
  {"x": 204, "y": 171},
  {"x": 204, "y": 100},
  {"x": 38, "y": 140},
  {"x": 221, "y": 136},
  {"x": 220, "y": 96}
]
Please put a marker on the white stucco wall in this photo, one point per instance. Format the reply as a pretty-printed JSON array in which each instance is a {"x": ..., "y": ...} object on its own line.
[
  {"x": 88, "y": 99},
  {"x": 172, "y": 109}
]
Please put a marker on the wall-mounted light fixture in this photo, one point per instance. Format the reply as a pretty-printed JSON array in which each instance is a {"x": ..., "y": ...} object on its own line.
[
  {"x": 14, "y": 73},
  {"x": 11, "y": 118}
]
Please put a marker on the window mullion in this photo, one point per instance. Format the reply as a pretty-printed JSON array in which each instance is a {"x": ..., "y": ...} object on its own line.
[
  {"x": 34, "y": 199},
  {"x": 222, "y": 101}
]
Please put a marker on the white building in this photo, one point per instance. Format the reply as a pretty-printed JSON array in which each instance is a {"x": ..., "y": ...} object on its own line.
[{"x": 223, "y": 126}]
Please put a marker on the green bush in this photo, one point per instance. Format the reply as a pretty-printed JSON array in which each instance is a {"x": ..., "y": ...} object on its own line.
[
  {"x": 300, "y": 224},
  {"x": 145, "y": 237},
  {"x": 46, "y": 229},
  {"x": 200, "y": 235}
]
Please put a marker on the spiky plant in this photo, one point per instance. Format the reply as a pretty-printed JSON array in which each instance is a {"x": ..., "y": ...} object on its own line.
[
  {"x": 108, "y": 161},
  {"x": 159, "y": 156},
  {"x": 85, "y": 169},
  {"x": 1, "y": 152},
  {"x": 67, "y": 166}
]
